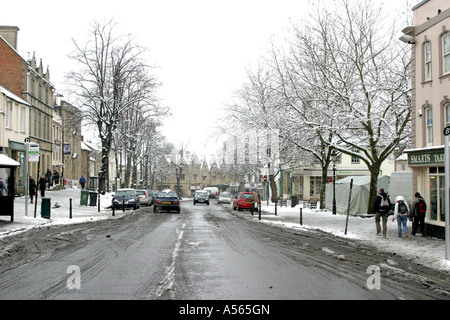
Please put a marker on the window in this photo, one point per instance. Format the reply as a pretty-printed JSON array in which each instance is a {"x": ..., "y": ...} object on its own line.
[
  {"x": 8, "y": 113},
  {"x": 22, "y": 118},
  {"x": 446, "y": 114},
  {"x": 427, "y": 61},
  {"x": 436, "y": 206},
  {"x": 314, "y": 186},
  {"x": 429, "y": 125},
  {"x": 446, "y": 53},
  {"x": 355, "y": 160}
]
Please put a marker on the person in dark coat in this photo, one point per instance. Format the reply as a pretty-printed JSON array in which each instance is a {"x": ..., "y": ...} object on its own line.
[
  {"x": 381, "y": 212},
  {"x": 41, "y": 185},
  {"x": 418, "y": 214},
  {"x": 48, "y": 178},
  {"x": 32, "y": 188}
]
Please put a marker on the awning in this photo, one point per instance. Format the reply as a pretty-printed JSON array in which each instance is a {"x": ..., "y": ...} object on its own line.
[{"x": 7, "y": 162}]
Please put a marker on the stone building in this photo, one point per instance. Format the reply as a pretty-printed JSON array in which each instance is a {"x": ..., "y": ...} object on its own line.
[{"x": 430, "y": 41}]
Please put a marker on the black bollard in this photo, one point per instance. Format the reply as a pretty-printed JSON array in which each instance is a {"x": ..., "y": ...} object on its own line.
[
  {"x": 70, "y": 208},
  {"x": 301, "y": 216}
]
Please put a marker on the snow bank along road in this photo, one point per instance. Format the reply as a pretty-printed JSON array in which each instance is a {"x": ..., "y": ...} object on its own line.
[{"x": 206, "y": 252}]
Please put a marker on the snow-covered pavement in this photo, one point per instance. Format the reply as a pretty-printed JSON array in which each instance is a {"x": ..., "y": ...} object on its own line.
[{"x": 427, "y": 251}]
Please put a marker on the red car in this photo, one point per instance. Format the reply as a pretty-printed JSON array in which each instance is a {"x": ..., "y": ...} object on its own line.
[{"x": 244, "y": 200}]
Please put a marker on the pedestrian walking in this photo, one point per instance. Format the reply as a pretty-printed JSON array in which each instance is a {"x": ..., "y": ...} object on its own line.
[
  {"x": 41, "y": 185},
  {"x": 3, "y": 188},
  {"x": 381, "y": 205},
  {"x": 401, "y": 212},
  {"x": 48, "y": 178},
  {"x": 82, "y": 181},
  {"x": 32, "y": 188},
  {"x": 419, "y": 211}
]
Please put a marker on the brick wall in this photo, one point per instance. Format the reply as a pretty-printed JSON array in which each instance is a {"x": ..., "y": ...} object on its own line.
[{"x": 12, "y": 69}]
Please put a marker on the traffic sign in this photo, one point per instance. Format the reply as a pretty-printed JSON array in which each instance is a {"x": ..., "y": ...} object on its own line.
[{"x": 447, "y": 131}]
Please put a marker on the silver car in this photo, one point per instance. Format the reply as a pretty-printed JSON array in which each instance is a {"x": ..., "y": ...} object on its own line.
[
  {"x": 144, "y": 197},
  {"x": 224, "y": 197}
]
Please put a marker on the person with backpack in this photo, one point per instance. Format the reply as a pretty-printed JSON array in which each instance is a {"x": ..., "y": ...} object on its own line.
[
  {"x": 419, "y": 211},
  {"x": 401, "y": 212},
  {"x": 382, "y": 206}
]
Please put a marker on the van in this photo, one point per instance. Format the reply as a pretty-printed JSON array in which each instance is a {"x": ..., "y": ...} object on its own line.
[{"x": 213, "y": 192}]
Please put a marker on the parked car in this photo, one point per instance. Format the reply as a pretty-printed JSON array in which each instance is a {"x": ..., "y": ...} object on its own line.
[
  {"x": 224, "y": 197},
  {"x": 152, "y": 195},
  {"x": 244, "y": 200},
  {"x": 144, "y": 197},
  {"x": 166, "y": 200},
  {"x": 127, "y": 198},
  {"x": 213, "y": 192},
  {"x": 201, "y": 196}
]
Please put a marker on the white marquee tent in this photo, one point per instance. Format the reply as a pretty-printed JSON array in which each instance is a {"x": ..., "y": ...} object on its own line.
[{"x": 360, "y": 194}]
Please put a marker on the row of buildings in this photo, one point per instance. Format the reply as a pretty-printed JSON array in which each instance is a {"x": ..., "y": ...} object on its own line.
[{"x": 31, "y": 110}]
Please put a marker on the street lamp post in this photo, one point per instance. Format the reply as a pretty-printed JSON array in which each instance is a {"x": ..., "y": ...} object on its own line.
[{"x": 333, "y": 158}]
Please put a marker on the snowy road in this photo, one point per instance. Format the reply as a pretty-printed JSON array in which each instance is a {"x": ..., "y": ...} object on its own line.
[{"x": 206, "y": 252}]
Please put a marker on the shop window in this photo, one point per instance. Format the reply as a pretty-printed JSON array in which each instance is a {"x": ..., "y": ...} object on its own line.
[
  {"x": 436, "y": 182},
  {"x": 315, "y": 183}
]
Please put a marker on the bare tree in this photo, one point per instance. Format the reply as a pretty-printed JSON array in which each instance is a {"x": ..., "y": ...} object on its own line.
[
  {"x": 109, "y": 84},
  {"x": 365, "y": 79}
]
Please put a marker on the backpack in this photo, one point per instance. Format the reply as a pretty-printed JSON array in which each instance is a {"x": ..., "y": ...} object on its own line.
[
  {"x": 422, "y": 206},
  {"x": 384, "y": 205},
  {"x": 402, "y": 209}
]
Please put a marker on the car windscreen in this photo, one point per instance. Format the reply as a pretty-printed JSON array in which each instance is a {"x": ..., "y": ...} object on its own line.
[
  {"x": 225, "y": 195},
  {"x": 167, "y": 194},
  {"x": 201, "y": 194},
  {"x": 140, "y": 193},
  {"x": 247, "y": 196},
  {"x": 124, "y": 193}
]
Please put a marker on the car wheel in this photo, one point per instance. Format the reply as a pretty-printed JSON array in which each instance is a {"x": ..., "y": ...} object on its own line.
[
  {"x": 207, "y": 203},
  {"x": 155, "y": 209},
  {"x": 194, "y": 203}
]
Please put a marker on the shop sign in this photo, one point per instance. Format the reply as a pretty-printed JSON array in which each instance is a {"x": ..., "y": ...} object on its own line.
[{"x": 426, "y": 158}]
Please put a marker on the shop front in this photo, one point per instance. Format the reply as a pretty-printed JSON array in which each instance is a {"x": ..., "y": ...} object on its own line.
[{"x": 428, "y": 169}]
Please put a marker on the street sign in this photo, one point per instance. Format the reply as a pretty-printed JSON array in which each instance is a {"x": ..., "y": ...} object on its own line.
[{"x": 33, "y": 153}]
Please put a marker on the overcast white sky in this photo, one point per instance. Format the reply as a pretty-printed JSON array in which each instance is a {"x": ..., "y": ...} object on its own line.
[{"x": 201, "y": 47}]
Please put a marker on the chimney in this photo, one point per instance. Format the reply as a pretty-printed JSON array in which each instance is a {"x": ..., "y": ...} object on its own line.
[{"x": 10, "y": 35}]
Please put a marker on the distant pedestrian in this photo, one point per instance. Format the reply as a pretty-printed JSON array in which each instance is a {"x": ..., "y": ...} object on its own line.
[
  {"x": 32, "y": 188},
  {"x": 3, "y": 188},
  {"x": 55, "y": 177},
  {"x": 419, "y": 211},
  {"x": 381, "y": 205},
  {"x": 82, "y": 181},
  {"x": 41, "y": 185},
  {"x": 401, "y": 212},
  {"x": 48, "y": 178}
]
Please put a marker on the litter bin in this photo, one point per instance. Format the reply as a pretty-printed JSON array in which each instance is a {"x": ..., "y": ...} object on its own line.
[
  {"x": 92, "y": 198},
  {"x": 294, "y": 201},
  {"x": 84, "y": 198},
  {"x": 45, "y": 208}
]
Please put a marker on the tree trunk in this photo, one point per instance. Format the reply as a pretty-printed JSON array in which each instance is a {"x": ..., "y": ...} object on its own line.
[
  {"x": 374, "y": 172},
  {"x": 273, "y": 188}
]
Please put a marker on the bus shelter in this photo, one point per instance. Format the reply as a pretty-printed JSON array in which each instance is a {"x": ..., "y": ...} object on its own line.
[{"x": 7, "y": 200}]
